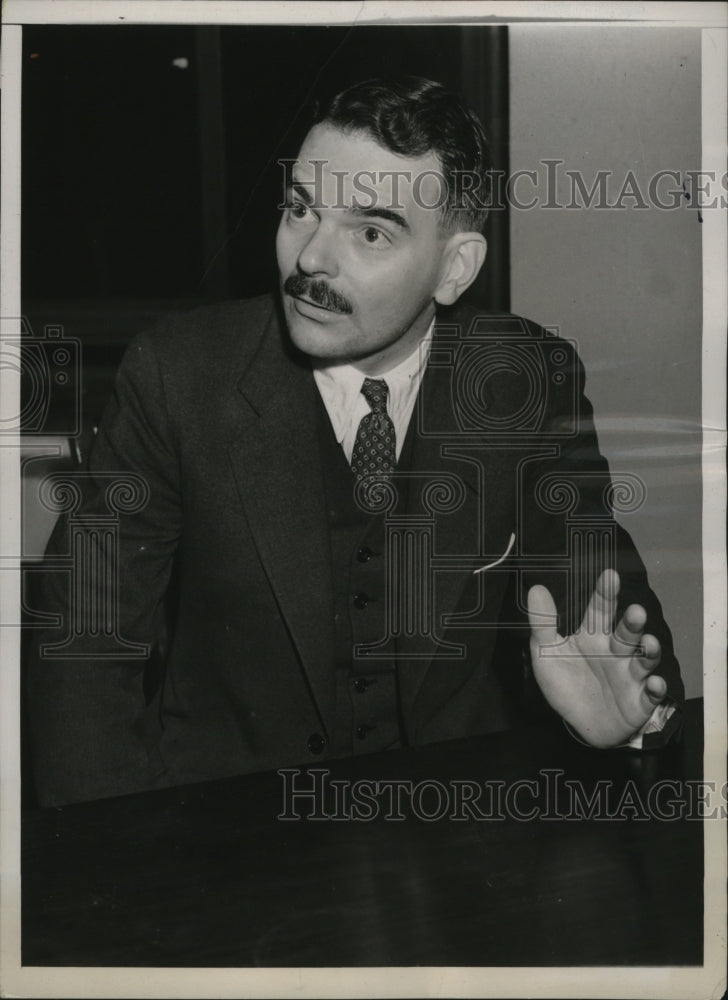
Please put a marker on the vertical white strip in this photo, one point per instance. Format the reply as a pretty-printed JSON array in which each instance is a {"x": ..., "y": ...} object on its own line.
[
  {"x": 11, "y": 55},
  {"x": 715, "y": 316}
]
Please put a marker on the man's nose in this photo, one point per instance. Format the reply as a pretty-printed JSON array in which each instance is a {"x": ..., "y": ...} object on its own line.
[{"x": 318, "y": 255}]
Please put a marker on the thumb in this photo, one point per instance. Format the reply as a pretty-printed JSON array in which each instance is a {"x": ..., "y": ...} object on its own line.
[{"x": 542, "y": 616}]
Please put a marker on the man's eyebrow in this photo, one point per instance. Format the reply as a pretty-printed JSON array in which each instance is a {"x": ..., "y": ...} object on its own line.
[
  {"x": 374, "y": 212},
  {"x": 381, "y": 213},
  {"x": 302, "y": 191}
]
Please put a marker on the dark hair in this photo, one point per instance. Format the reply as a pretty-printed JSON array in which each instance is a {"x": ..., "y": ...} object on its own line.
[{"x": 412, "y": 116}]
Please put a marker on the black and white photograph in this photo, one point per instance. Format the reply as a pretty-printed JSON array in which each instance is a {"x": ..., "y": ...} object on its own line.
[{"x": 362, "y": 499}]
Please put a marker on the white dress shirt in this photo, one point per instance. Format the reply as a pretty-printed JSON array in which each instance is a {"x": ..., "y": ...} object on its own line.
[{"x": 340, "y": 388}]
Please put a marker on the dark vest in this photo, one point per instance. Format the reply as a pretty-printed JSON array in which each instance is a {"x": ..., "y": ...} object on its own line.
[{"x": 367, "y": 716}]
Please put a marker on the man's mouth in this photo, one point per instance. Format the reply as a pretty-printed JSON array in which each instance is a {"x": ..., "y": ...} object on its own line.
[
  {"x": 310, "y": 302},
  {"x": 316, "y": 294}
]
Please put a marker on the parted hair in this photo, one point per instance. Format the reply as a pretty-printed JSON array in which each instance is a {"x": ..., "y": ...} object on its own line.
[{"x": 413, "y": 116}]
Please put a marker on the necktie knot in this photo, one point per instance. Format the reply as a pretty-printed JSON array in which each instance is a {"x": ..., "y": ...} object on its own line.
[{"x": 375, "y": 391}]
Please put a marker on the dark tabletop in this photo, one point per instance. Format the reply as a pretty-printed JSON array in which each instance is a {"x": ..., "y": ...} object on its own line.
[{"x": 209, "y": 875}]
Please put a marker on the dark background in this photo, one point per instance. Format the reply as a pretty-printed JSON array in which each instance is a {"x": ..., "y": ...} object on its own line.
[{"x": 149, "y": 187}]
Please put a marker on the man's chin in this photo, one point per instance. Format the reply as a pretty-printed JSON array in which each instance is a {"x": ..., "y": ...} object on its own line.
[{"x": 313, "y": 339}]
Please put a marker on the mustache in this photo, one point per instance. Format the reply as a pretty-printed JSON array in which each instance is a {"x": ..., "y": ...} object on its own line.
[{"x": 318, "y": 292}]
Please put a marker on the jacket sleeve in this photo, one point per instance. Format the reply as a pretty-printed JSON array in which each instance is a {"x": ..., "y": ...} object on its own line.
[
  {"x": 569, "y": 525},
  {"x": 107, "y": 569}
]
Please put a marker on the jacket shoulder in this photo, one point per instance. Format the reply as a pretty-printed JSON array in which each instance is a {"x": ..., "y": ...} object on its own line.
[
  {"x": 200, "y": 352},
  {"x": 516, "y": 376},
  {"x": 476, "y": 322},
  {"x": 226, "y": 329}
]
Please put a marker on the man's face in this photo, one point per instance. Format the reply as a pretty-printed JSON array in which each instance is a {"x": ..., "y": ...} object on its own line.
[{"x": 360, "y": 255}]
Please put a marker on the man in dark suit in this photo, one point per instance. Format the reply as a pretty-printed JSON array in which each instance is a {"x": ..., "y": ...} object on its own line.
[{"x": 366, "y": 509}]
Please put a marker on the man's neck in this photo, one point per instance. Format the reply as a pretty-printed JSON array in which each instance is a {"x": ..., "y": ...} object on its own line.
[{"x": 377, "y": 365}]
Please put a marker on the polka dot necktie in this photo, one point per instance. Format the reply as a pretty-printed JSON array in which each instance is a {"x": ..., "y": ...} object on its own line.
[{"x": 375, "y": 445}]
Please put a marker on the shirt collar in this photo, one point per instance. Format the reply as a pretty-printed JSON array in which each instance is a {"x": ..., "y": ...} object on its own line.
[{"x": 340, "y": 385}]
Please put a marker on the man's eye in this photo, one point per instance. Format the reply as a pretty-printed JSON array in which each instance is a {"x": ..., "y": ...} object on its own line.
[
  {"x": 375, "y": 237},
  {"x": 298, "y": 210}
]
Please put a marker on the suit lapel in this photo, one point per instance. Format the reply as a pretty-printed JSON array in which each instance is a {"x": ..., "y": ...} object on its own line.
[{"x": 278, "y": 474}]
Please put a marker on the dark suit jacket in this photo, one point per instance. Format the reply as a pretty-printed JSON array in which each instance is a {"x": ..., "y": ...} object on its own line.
[{"x": 217, "y": 415}]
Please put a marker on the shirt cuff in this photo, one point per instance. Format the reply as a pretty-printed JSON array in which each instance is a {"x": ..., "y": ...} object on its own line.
[
  {"x": 655, "y": 724},
  {"x": 656, "y": 731}
]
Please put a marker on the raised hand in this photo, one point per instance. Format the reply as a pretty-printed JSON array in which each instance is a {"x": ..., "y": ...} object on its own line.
[{"x": 600, "y": 679}]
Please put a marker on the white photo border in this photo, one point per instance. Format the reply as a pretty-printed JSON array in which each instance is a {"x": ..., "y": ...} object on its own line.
[{"x": 662, "y": 982}]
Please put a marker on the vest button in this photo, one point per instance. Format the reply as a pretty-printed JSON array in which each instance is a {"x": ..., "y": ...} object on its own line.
[
  {"x": 361, "y": 601},
  {"x": 364, "y": 554},
  {"x": 316, "y": 743},
  {"x": 363, "y": 731},
  {"x": 361, "y": 684}
]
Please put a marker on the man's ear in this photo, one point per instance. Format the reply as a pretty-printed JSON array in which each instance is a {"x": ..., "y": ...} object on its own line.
[{"x": 463, "y": 257}]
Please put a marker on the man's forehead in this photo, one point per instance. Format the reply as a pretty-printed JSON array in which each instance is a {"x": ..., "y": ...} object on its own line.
[
  {"x": 345, "y": 144},
  {"x": 344, "y": 167}
]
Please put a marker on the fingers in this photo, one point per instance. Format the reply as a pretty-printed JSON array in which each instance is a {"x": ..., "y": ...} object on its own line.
[
  {"x": 542, "y": 616},
  {"x": 650, "y": 655},
  {"x": 629, "y": 639},
  {"x": 627, "y": 636},
  {"x": 656, "y": 689},
  {"x": 602, "y": 605}
]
